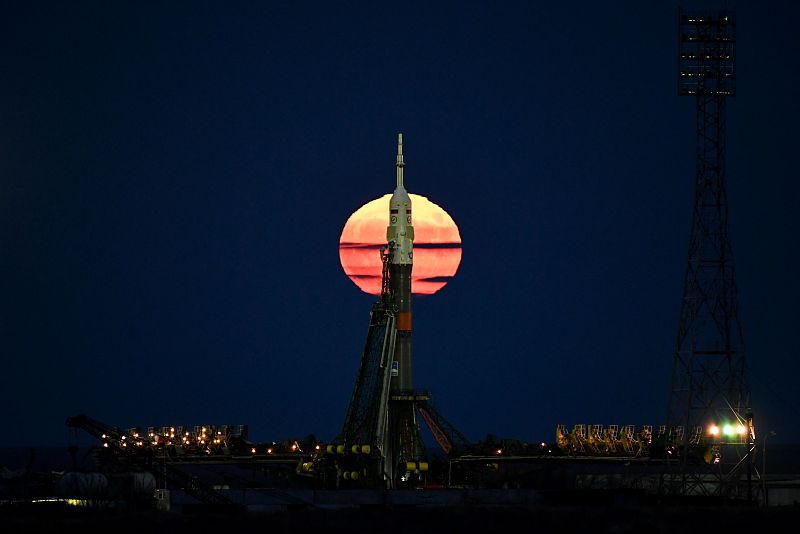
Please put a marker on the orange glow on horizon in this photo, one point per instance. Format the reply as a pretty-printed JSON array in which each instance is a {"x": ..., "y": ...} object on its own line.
[{"x": 437, "y": 245}]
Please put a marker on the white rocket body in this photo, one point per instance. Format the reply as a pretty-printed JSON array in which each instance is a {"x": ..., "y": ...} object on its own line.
[{"x": 400, "y": 235}]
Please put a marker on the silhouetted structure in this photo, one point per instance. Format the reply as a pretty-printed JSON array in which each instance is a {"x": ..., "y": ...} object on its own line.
[
  {"x": 709, "y": 404},
  {"x": 380, "y": 443}
]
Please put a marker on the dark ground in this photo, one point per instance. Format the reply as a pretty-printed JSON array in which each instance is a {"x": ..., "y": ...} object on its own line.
[
  {"x": 616, "y": 514},
  {"x": 561, "y": 519}
]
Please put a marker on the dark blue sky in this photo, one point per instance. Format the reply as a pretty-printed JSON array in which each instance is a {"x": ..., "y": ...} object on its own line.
[{"x": 174, "y": 179}]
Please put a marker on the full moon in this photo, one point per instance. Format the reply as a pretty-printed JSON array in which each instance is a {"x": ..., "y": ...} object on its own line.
[{"x": 437, "y": 245}]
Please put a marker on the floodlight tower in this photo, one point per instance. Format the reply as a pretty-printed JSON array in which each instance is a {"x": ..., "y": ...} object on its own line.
[{"x": 709, "y": 420}]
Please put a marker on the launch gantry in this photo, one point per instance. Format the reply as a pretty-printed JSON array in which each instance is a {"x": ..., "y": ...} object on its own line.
[{"x": 381, "y": 434}]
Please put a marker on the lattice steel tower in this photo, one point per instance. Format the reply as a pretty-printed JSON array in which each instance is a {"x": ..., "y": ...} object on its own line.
[{"x": 709, "y": 417}]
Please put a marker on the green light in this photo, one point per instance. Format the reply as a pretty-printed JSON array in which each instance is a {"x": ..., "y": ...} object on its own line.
[{"x": 727, "y": 430}]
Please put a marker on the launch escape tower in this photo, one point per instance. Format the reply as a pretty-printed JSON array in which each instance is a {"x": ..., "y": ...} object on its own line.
[
  {"x": 709, "y": 401},
  {"x": 381, "y": 441}
]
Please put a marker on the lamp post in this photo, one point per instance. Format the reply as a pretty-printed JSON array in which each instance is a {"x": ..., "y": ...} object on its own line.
[{"x": 764, "y": 467}]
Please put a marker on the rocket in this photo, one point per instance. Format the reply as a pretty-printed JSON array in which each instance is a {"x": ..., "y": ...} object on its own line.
[{"x": 400, "y": 236}]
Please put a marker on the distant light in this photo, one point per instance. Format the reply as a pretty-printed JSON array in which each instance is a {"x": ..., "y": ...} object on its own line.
[
  {"x": 499, "y": 451},
  {"x": 741, "y": 430},
  {"x": 727, "y": 430},
  {"x": 269, "y": 451},
  {"x": 713, "y": 430},
  {"x": 253, "y": 450}
]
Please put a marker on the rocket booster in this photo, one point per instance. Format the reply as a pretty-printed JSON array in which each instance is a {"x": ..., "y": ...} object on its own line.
[{"x": 400, "y": 235}]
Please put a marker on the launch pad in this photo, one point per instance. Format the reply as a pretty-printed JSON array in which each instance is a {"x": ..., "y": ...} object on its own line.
[
  {"x": 705, "y": 449},
  {"x": 381, "y": 428},
  {"x": 380, "y": 446}
]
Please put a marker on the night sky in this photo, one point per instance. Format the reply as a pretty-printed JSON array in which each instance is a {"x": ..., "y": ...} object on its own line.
[{"x": 175, "y": 176}]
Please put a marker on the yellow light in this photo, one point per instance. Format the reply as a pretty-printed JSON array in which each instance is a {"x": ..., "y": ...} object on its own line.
[
  {"x": 499, "y": 451},
  {"x": 105, "y": 444},
  {"x": 253, "y": 450},
  {"x": 317, "y": 447},
  {"x": 294, "y": 447},
  {"x": 269, "y": 451},
  {"x": 741, "y": 430}
]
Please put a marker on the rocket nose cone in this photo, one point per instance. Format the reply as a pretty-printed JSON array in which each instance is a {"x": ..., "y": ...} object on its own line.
[{"x": 401, "y": 195}]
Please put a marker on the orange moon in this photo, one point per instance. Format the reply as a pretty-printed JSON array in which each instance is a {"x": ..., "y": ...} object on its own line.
[{"x": 437, "y": 245}]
